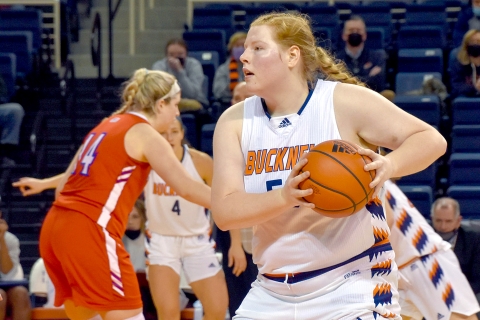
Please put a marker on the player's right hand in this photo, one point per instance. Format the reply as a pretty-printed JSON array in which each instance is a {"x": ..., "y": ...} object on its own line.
[
  {"x": 290, "y": 191},
  {"x": 29, "y": 186},
  {"x": 237, "y": 260}
]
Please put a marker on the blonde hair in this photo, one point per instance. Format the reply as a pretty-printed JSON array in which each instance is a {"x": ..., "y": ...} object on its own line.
[
  {"x": 140, "y": 206},
  {"x": 234, "y": 38},
  {"x": 143, "y": 89},
  {"x": 293, "y": 29},
  {"x": 462, "y": 55}
]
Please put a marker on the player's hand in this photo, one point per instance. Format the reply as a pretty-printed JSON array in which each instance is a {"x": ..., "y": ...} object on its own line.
[
  {"x": 29, "y": 186},
  {"x": 237, "y": 260},
  {"x": 175, "y": 63},
  {"x": 382, "y": 166},
  {"x": 290, "y": 191}
]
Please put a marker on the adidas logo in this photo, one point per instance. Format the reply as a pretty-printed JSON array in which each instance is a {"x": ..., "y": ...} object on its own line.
[
  {"x": 440, "y": 316},
  {"x": 343, "y": 148},
  {"x": 285, "y": 123},
  {"x": 212, "y": 265}
]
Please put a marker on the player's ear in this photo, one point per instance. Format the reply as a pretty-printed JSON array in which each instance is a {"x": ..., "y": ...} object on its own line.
[
  {"x": 293, "y": 56},
  {"x": 159, "y": 104}
]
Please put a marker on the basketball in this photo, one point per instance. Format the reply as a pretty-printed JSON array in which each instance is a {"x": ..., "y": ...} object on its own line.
[{"x": 340, "y": 184}]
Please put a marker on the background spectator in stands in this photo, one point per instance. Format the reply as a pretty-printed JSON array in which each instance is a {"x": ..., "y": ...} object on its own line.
[
  {"x": 367, "y": 65},
  {"x": 16, "y": 298},
  {"x": 134, "y": 238},
  {"x": 230, "y": 73},
  {"x": 11, "y": 116},
  {"x": 465, "y": 69},
  {"x": 446, "y": 220},
  {"x": 189, "y": 74},
  {"x": 40, "y": 285},
  {"x": 468, "y": 19}
]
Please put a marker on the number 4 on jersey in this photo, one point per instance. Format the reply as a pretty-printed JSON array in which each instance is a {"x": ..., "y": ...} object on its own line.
[
  {"x": 176, "y": 207},
  {"x": 87, "y": 159}
]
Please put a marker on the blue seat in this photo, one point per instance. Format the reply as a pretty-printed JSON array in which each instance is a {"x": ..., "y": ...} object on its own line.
[
  {"x": 424, "y": 107},
  {"x": 376, "y": 15},
  {"x": 207, "y": 40},
  {"x": 466, "y": 111},
  {"x": 416, "y": 36},
  {"x": 464, "y": 169},
  {"x": 420, "y": 196},
  {"x": 210, "y": 63},
  {"x": 469, "y": 199},
  {"x": 190, "y": 126},
  {"x": 426, "y": 177},
  {"x": 23, "y": 20},
  {"x": 466, "y": 138},
  {"x": 375, "y": 38},
  {"x": 214, "y": 18},
  {"x": 420, "y": 60},
  {"x": 20, "y": 44},
  {"x": 431, "y": 13},
  {"x": 408, "y": 81},
  {"x": 324, "y": 37},
  {"x": 206, "y": 144},
  {"x": 322, "y": 15},
  {"x": 8, "y": 70},
  {"x": 251, "y": 13}
]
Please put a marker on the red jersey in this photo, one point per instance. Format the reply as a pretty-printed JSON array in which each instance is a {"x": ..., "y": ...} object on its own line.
[{"x": 106, "y": 181}]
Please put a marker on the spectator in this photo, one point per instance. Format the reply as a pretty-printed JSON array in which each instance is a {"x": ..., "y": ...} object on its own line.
[
  {"x": 230, "y": 72},
  {"x": 40, "y": 285},
  {"x": 468, "y": 19},
  {"x": 134, "y": 238},
  {"x": 446, "y": 220},
  {"x": 367, "y": 65},
  {"x": 189, "y": 74},
  {"x": 465, "y": 68},
  {"x": 16, "y": 299},
  {"x": 11, "y": 116}
]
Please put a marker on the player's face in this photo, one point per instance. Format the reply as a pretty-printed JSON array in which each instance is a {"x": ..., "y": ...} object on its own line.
[
  {"x": 134, "y": 220},
  {"x": 444, "y": 220},
  {"x": 264, "y": 61},
  {"x": 167, "y": 112},
  {"x": 174, "y": 135}
]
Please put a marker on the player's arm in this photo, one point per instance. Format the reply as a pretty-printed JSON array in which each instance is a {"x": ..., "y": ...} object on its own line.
[
  {"x": 145, "y": 144},
  {"x": 365, "y": 117},
  {"x": 204, "y": 165},
  {"x": 236, "y": 254},
  {"x": 29, "y": 186},
  {"x": 232, "y": 207}
]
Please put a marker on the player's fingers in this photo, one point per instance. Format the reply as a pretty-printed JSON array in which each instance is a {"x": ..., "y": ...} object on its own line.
[
  {"x": 299, "y": 178},
  {"x": 298, "y": 167}
]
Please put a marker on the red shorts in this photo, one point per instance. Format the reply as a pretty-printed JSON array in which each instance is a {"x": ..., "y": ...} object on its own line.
[{"x": 86, "y": 264}]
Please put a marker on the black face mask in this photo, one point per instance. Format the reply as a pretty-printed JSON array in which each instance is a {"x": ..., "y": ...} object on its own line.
[
  {"x": 355, "y": 39},
  {"x": 473, "y": 50},
  {"x": 133, "y": 234},
  {"x": 182, "y": 60}
]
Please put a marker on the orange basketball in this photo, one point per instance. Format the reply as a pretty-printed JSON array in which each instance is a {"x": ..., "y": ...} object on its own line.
[{"x": 339, "y": 182}]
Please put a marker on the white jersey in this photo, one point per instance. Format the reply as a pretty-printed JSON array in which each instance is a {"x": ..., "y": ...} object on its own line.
[
  {"x": 411, "y": 226},
  {"x": 300, "y": 239},
  {"x": 169, "y": 214}
]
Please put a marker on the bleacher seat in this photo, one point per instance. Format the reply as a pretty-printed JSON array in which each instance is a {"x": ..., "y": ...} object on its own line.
[
  {"x": 429, "y": 13},
  {"x": 23, "y": 20},
  {"x": 418, "y": 37},
  {"x": 426, "y": 177},
  {"x": 207, "y": 40},
  {"x": 420, "y": 60},
  {"x": 8, "y": 71},
  {"x": 325, "y": 21},
  {"x": 425, "y": 107},
  {"x": 466, "y": 138},
  {"x": 214, "y": 18},
  {"x": 210, "y": 63},
  {"x": 464, "y": 169},
  {"x": 469, "y": 199},
  {"x": 252, "y": 12},
  {"x": 207, "y": 138},
  {"x": 375, "y": 38},
  {"x": 20, "y": 44},
  {"x": 466, "y": 111},
  {"x": 376, "y": 15},
  {"x": 420, "y": 196},
  {"x": 191, "y": 129},
  {"x": 408, "y": 81}
]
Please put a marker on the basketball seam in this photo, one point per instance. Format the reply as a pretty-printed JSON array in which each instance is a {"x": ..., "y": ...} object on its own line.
[
  {"x": 346, "y": 168},
  {"x": 330, "y": 189},
  {"x": 363, "y": 157},
  {"x": 329, "y": 210}
]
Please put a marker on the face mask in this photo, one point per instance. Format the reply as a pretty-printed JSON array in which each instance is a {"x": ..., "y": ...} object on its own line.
[
  {"x": 476, "y": 11},
  {"x": 182, "y": 60},
  {"x": 473, "y": 50},
  {"x": 133, "y": 234},
  {"x": 237, "y": 52},
  {"x": 447, "y": 236},
  {"x": 355, "y": 39}
]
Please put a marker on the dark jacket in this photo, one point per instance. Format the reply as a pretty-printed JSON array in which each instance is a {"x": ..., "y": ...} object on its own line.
[
  {"x": 461, "y": 79},
  {"x": 467, "y": 250},
  {"x": 465, "y": 21},
  {"x": 362, "y": 66}
]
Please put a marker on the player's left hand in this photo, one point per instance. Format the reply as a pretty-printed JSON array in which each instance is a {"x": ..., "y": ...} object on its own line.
[
  {"x": 383, "y": 169},
  {"x": 237, "y": 260}
]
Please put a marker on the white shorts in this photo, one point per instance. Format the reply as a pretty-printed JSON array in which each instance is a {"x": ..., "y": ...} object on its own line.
[
  {"x": 195, "y": 255},
  {"x": 435, "y": 288},
  {"x": 365, "y": 288}
]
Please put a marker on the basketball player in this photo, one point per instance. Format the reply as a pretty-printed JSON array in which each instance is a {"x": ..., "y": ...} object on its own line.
[
  {"x": 432, "y": 284},
  {"x": 310, "y": 266},
  {"x": 81, "y": 237},
  {"x": 179, "y": 238}
]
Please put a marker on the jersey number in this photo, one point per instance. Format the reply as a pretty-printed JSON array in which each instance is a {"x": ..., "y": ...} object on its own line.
[
  {"x": 176, "y": 207},
  {"x": 87, "y": 159}
]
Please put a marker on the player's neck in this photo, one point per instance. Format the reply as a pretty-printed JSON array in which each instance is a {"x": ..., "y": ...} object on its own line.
[{"x": 286, "y": 102}]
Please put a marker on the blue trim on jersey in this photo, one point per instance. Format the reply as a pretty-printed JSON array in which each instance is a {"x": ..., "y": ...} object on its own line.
[
  {"x": 302, "y": 276},
  {"x": 264, "y": 105}
]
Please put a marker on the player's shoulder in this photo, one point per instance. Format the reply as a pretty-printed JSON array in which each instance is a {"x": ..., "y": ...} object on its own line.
[{"x": 199, "y": 156}]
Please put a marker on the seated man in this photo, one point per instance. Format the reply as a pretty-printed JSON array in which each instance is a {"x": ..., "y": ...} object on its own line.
[
  {"x": 15, "y": 298},
  {"x": 367, "y": 65}
]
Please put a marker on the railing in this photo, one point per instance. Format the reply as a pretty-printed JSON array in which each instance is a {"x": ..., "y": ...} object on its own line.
[{"x": 55, "y": 4}]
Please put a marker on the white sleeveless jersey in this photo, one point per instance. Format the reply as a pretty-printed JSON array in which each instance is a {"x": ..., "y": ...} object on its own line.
[
  {"x": 169, "y": 214},
  {"x": 300, "y": 239},
  {"x": 412, "y": 237}
]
